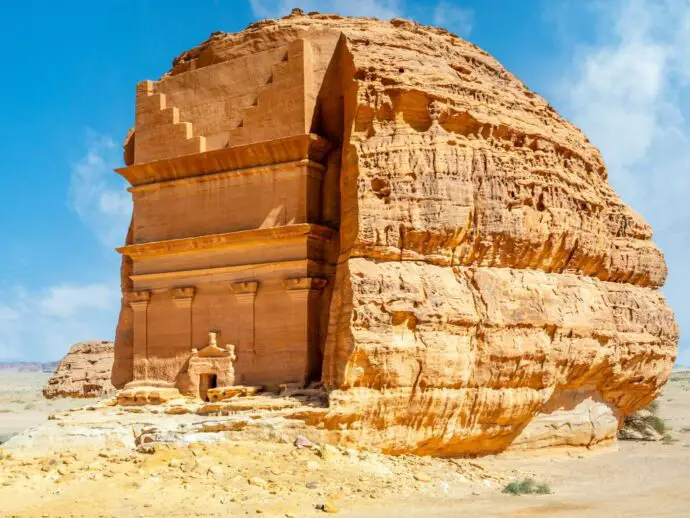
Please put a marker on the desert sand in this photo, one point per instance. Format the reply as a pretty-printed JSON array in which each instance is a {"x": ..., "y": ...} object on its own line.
[
  {"x": 22, "y": 405},
  {"x": 65, "y": 468}
]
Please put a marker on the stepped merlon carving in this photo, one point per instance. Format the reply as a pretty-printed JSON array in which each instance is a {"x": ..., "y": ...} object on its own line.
[
  {"x": 219, "y": 107},
  {"x": 159, "y": 132},
  {"x": 288, "y": 92}
]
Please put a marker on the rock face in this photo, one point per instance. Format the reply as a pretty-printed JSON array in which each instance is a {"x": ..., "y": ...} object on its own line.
[
  {"x": 491, "y": 290},
  {"x": 84, "y": 372}
]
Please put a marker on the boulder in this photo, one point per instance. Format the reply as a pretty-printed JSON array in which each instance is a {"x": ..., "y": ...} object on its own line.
[
  {"x": 83, "y": 373},
  {"x": 488, "y": 275}
]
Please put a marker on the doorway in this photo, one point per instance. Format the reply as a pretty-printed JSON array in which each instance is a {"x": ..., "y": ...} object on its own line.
[{"x": 207, "y": 381}]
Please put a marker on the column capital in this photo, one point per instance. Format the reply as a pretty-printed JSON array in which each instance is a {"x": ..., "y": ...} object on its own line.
[
  {"x": 305, "y": 284},
  {"x": 182, "y": 297},
  {"x": 244, "y": 287},
  {"x": 138, "y": 300}
]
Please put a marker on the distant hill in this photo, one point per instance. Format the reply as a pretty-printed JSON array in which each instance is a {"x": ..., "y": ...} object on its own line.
[{"x": 28, "y": 366}]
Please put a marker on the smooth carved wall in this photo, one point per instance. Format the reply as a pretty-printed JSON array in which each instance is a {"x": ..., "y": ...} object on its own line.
[
  {"x": 214, "y": 204},
  {"x": 168, "y": 340},
  {"x": 227, "y": 105},
  {"x": 269, "y": 350},
  {"x": 198, "y": 217},
  {"x": 232, "y": 103},
  {"x": 214, "y": 98},
  {"x": 228, "y": 241},
  {"x": 206, "y": 249},
  {"x": 290, "y": 250}
]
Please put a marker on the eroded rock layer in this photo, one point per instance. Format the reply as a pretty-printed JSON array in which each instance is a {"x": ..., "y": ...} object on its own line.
[
  {"x": 492, "y": 290},
  {"x": 84, "y": 372}
]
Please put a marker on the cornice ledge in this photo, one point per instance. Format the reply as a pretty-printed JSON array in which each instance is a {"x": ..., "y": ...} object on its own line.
[{"x": 229, "y": 239}]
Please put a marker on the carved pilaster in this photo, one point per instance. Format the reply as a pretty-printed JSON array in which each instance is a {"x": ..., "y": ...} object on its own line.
[
  {"x": 183, "y": 298},
  {"x": 244, "y": 287},
  {"x": 139, "y": 302},
  {"x": 304, "y": 294},
  {"x": 245, "y": 293}
]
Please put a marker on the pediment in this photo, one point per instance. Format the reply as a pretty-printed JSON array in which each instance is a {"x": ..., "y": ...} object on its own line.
[{"x": 213, "y": 351}]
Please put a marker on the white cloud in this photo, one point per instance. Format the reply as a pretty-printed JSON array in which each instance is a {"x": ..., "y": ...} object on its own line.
[
  {"x": 383, "y": 9},
  {"x": 42, "y": 325},
  {"x": 97, "y": 194},
  {"x": 67, "y": 300},
  {"x": 628, "y": 94},
  {"x": 454, "y": 18}
]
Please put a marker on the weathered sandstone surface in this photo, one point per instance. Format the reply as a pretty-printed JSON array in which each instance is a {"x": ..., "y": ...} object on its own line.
[
  {"x": 491, "y": 290},
  {"x": 84, "y": 372}
]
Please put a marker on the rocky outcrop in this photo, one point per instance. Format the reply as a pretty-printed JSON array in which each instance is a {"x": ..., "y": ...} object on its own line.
[
  {"x": 492, "y": 290},
  {"x": 84, "y": 372}
]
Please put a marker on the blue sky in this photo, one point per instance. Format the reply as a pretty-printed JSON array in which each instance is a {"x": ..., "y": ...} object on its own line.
[{"x": 620, "y": 69}]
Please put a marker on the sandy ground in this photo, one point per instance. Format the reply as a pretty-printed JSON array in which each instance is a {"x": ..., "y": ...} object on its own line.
[
  {"x": 249, "y": 477},
  {"x": 22, "y": 404}
]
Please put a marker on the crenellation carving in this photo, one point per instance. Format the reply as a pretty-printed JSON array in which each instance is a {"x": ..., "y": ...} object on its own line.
[
  {"x": 287, "y": 88},
  {"x": 159, "y": 131}
]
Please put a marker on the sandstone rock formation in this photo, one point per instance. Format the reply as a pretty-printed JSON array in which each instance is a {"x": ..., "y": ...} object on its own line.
[
  {"x": 487, "y": 289},
  {"x": 84, "y": 372}
]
